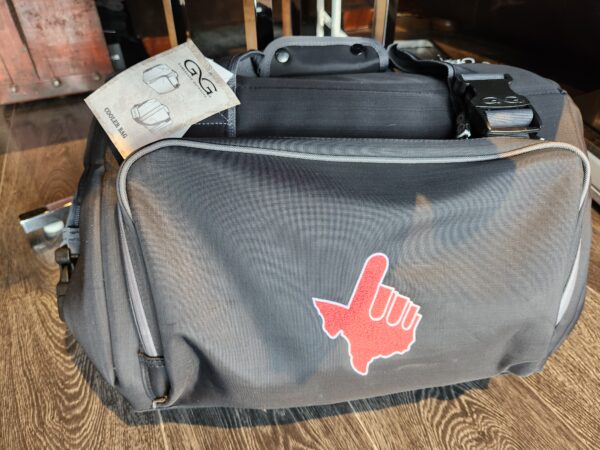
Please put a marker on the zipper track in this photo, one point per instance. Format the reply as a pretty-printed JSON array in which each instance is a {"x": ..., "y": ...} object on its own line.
[
  {"x": 143, "y": 328},
  {"x": 139, "y": 315},
  {"x": 546, "y": 145}
]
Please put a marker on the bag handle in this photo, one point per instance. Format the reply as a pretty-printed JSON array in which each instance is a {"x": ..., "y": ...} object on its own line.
[{"x": 310, "y": 55}]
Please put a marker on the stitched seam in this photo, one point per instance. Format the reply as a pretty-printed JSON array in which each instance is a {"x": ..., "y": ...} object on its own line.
[
  {"x": 429, "y": 92},
  {"x": 366, "y": 140},
  {"x": 382, "y": 156},
  {"x": 356, "y": 154},
  {"x": 153, "y": 364},
  {"x": 151, "y": 361},
  {"x": 290, "y": 88}
]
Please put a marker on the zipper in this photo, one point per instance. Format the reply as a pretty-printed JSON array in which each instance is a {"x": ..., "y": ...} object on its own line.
[
  {"x": 143, "y": 328},
  {"x": 139, "y": 315},
  {"x": 546, "y": 145}
]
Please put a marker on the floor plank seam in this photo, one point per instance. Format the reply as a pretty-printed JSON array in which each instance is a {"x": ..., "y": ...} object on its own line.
[
  {"x": 6, "y": 147},
  {"x": 362, "y": 425},
  {"x": 162, "y": 431}
]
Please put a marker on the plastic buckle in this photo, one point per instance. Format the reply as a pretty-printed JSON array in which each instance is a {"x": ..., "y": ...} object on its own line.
[
  {"x": 66, "y": 262},
  {"x": 485, "y": 93}
]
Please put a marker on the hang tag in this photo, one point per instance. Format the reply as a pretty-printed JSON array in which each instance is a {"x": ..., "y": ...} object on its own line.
[
  {"x": 222, "y": 71},
  {"x": 161, "y": 97}
]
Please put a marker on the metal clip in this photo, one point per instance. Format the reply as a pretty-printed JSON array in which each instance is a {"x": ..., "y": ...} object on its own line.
[{"x": 492, "y": 108}]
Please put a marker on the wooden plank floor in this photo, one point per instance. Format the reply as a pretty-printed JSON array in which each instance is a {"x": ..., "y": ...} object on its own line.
[{"x": 52, "y": 396}]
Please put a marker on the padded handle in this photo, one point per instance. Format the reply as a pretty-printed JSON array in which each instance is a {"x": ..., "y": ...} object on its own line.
[{"x": 307, "y": 55}]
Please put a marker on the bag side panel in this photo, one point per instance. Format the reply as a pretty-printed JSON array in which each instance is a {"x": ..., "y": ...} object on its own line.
[
  {"x": 84, "y": 306},
  {"x": 95, "y": 308},
  {"x": 125, "y": 342},
  {"x": 568, "y": 321}
]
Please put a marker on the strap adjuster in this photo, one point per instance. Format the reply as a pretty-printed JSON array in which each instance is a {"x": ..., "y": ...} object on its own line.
[
  {"x": 492, "y": 108},
  {"x": 66, "y": 261}
]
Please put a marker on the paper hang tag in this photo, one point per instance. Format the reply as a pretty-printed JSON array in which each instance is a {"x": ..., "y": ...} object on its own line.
[
  {"x": 161, "y": 97},
  {"x": 222, "y": 71}
]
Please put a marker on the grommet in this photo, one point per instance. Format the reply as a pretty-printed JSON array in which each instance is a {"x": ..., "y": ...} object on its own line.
[
  {"x": 357, "y": 49},
  {"x": 56, "y": 82},
  {"x": 13, "y": 88},
  {"x": 96, "y": 76},
  {"x": 282, "y": 56}
]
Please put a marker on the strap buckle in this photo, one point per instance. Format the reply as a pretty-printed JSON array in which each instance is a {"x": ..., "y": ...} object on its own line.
[
  {"x": 492, "y": 108},
  {"x": 66, "y": 261}
]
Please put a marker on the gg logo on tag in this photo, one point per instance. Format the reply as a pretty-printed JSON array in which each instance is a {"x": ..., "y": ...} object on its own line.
[
  {"x": 378, "y": 322},
  {"x": 161, "y": 97},
  {"x": 205, "y": 84}
]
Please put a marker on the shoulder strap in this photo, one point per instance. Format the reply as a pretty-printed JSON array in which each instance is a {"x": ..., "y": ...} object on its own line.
[{"x": 483, "y": 104}]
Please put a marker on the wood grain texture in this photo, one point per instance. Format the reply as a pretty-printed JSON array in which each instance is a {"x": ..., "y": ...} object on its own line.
[
  {"x": 54, "y": 398},
  {"x": 49, "y": 402},
  {"x": 50, "y": 48},
  {"x": 250, "y": 25}
]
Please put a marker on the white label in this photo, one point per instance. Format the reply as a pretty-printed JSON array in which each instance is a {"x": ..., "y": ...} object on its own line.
[
  {"x": 222, "y": 71},
  {"x": 160, "y": 97}
]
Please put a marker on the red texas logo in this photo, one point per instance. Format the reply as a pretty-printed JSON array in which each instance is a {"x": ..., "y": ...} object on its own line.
[{"x": 378, "y": 322}]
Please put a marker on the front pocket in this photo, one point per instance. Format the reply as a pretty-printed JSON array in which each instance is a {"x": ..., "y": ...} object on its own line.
[{"x": 238, "y": 239}]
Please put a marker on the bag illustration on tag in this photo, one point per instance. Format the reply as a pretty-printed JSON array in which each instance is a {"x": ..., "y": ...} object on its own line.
[
  {"x": 152, "y": 114},
  {"x": 377, "y": 322},
  {"x": 161, "y": 78}
]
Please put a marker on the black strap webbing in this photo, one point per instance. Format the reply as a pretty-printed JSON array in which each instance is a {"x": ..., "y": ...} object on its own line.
[{"x": 483, "y": 104}]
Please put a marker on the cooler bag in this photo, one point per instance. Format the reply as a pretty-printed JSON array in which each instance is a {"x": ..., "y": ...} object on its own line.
[{"x": 363, "y": 223}]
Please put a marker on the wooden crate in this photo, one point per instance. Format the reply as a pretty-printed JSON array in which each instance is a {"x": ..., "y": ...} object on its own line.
[{"x": 50, "y": 48}]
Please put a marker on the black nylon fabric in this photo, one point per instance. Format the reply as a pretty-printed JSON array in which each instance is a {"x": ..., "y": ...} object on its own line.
[
  {"x": 230, "y": 248},
  {"x": 367, "y": 105},
  {"x": 261, "y": 236}
]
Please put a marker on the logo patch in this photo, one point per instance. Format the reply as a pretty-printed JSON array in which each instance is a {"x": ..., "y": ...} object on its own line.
[{"x": 377, "y": 322}]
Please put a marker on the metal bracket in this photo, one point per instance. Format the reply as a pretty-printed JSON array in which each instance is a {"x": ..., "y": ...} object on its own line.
[{"x": 43, "y": 226}]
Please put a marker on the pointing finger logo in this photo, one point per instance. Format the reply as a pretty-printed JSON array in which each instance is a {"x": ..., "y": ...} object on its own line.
[{"x": 377, "y": 322}]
